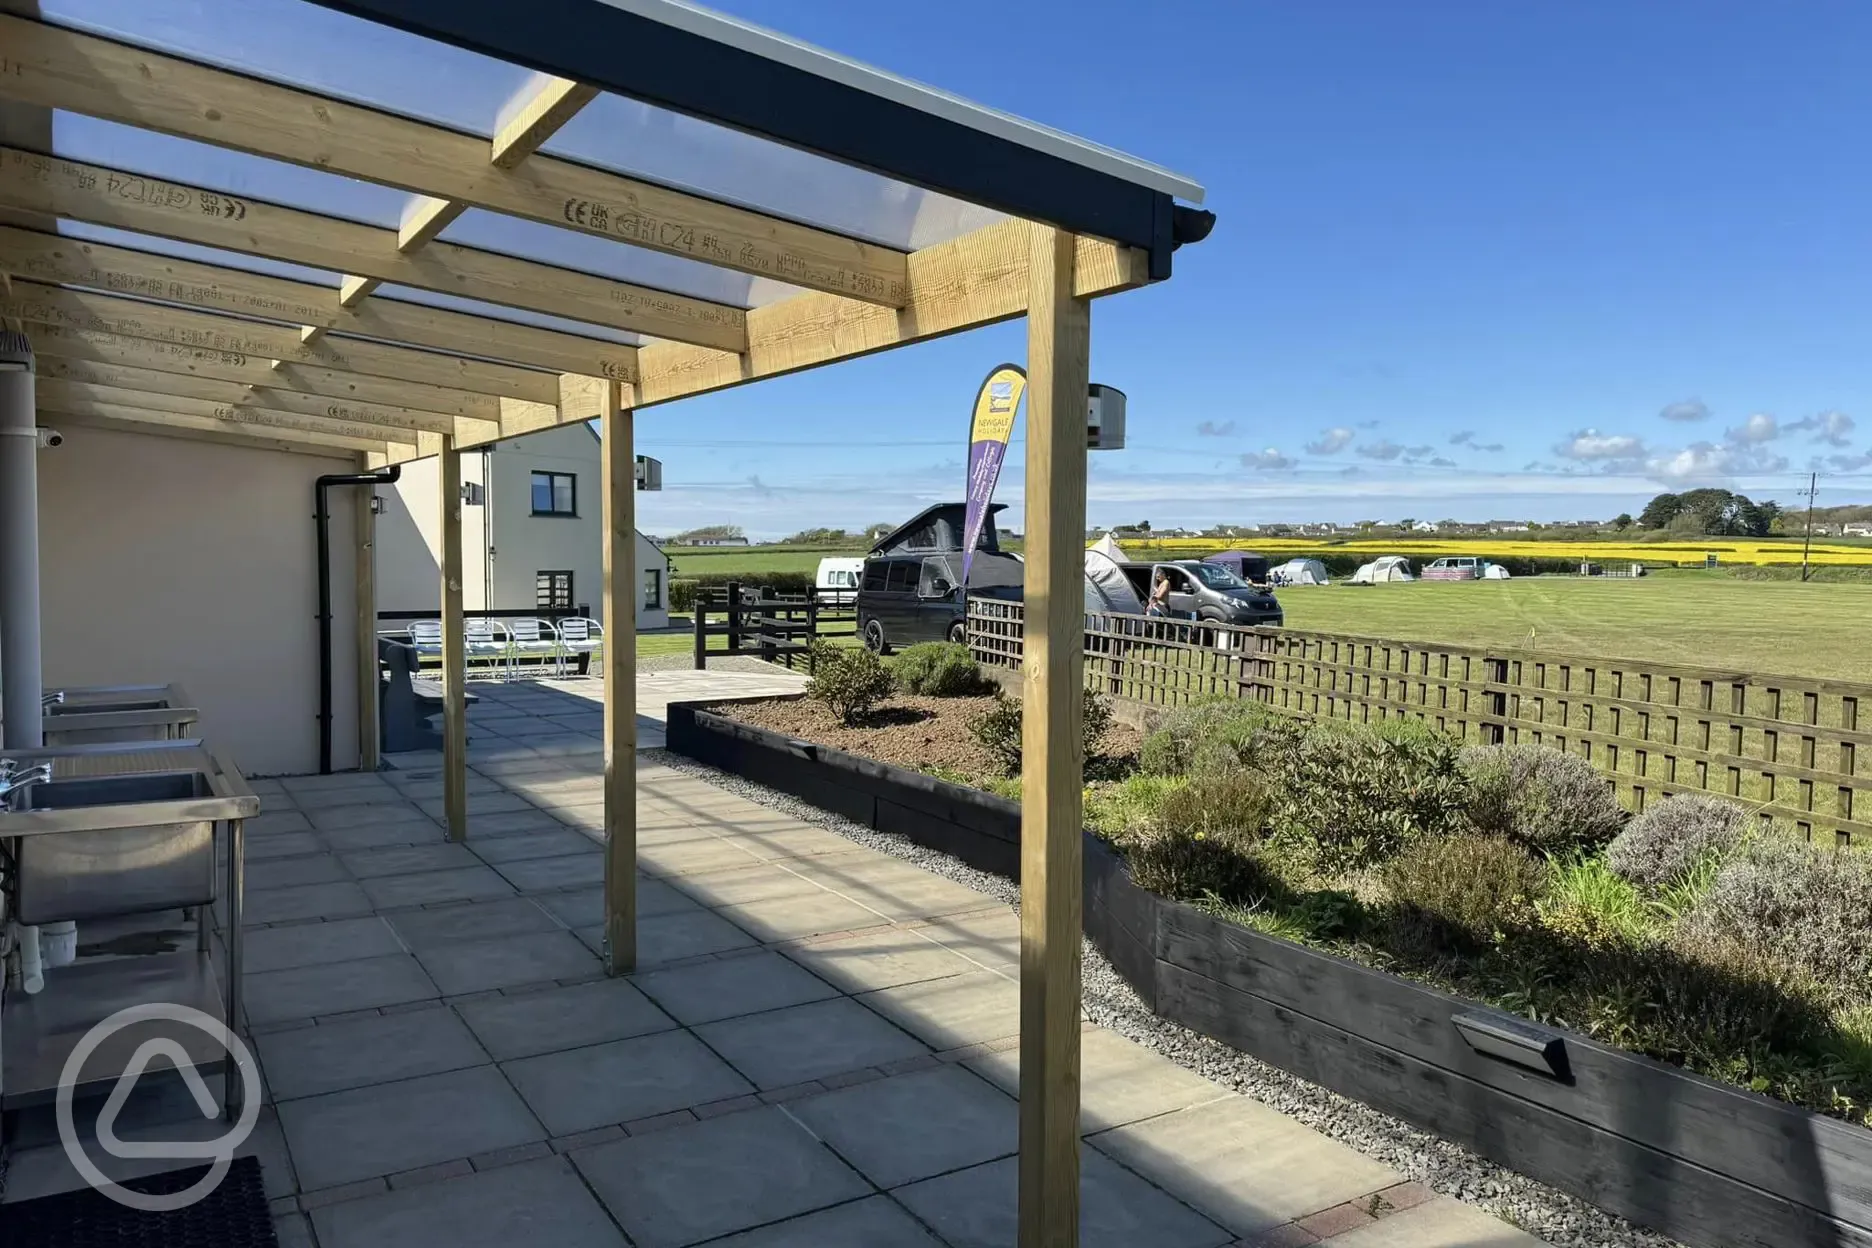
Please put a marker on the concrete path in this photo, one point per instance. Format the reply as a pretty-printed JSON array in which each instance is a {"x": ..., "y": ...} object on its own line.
[{"x": 818, "y": 1050}]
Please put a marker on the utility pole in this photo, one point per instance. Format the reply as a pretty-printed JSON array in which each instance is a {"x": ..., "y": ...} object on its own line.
[{"x": 1813, "y": 488}]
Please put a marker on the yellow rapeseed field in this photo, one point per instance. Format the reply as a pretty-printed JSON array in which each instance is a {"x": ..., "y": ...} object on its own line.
[{"x": 1603, "y": 550}]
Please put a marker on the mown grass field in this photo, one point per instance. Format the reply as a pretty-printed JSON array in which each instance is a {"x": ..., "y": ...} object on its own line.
[
  {"x": 1695, "y": 619},
  {"x": 728, "y": 560},
  {"x": 1683, "y": 552}
]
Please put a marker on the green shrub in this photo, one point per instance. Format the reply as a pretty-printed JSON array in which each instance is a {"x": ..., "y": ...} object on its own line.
[
  {"x": 1116, "y": 811},
  {"x": 1666, "y": 842},
  {"x": 1175, "y": 863},
  {"x": 1349, "y": 796},
  {"x": 998, "y": 729},
  {"x": 1219, "y": 803},
  {"x": 849, "y": 680},
  {"x": 683, "y": 589},
  {"x": 1551, "y": 801},
  {"x": 1808, "y": 908},
  {"x": 1468, "y": 887},
  {"x": 1221, "y": 732},
  {"x": 1587, "y": 902},
  {"x": 937, "y": 669}
]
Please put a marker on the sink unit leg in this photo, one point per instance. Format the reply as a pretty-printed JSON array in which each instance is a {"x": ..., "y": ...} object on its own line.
[{"x": 236, "y": 880}]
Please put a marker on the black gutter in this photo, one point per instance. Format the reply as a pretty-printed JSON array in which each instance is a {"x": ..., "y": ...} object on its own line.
[
  {"x": 321, "y": 514},
  {"x": 704, "y": 77}
]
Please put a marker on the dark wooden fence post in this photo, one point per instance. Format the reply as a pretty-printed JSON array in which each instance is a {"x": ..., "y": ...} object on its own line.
[
  {"x": 733, "y": 590},
  {"x": 701, "y": 629}
]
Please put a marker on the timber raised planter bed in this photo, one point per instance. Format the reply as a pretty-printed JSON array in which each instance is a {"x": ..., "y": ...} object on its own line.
[{"x": 1707, "y": 1164}]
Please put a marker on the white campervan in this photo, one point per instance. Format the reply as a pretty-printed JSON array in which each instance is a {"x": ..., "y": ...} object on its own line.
[{"x": 837, "y": 580}]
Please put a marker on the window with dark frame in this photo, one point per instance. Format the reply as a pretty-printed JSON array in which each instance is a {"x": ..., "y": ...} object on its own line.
[
  {"x": 552, "y": 591},
  {"x": 555, "y": 494},
  {"x": 653, "y": 588}
]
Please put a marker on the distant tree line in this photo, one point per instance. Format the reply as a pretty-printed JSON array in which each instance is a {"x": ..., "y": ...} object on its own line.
[{"x": 1709, "y": 513}]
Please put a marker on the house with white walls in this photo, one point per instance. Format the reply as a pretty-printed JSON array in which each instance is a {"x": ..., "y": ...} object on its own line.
[{"x": 531, "y": 533}]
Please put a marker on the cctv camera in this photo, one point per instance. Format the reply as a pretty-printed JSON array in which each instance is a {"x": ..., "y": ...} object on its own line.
[{"x": 49, "y": 438}]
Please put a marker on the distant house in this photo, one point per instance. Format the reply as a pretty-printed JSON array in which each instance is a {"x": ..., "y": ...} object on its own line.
[
  {"x": 718, "y": 541},
  {"x": 1856, "y": 528},
  {"x": 1424, "y": 526},
  {"x": 534, "y": 542},
  {"x": 1508, "y": 526}
]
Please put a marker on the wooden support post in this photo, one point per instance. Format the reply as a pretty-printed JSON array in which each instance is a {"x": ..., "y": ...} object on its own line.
[
  {"x": 369, "y": 741},
  {"x": 1058, "y": 362},
  {"x": 454, "y": 647},
  {"x": 620, "y": 679}
]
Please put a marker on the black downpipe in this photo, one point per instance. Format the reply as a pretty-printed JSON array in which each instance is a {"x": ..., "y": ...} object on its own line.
[{"x": 322, "y": 514}]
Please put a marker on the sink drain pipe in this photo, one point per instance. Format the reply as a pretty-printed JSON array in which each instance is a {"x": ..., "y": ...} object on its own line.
[{"x": 322, "y": 515}]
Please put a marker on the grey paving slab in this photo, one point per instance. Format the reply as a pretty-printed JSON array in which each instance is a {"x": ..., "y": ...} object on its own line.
[
  {"x": 331, "y": 1057},
  {"x": 875, "y": 1223},
  {"x": 554, "y": 1019},
  {"x": 802, "y": 915},
  {"x": 507, "y": 962},
  {"x": 580, "y": 907},
  {"x": 460, "y": 884},
  {"x": 340, "y": 900},
  {"x": 47, "y": 1170},
  {"x": 389, "y": 1128},
  {"x": 749, "y": 983},
  {"x": 687, "y": 1184},
  {"x": 478, "y": 804},
  {"x": 949, "y": 1013},
  {"x": 513, "y": 823},
  {"x": 471, "y": 920},
  {"x": 959, "y": 1120},
  {"x": 270, "y": 873},
  {"x": 379, "y": 835},
  {"x": 687, "y": 857},
  {"x": 802, "y": 1042},
  {"x": 623, "y": 1080},
  {"x": 885, "y": 958},
  {"x": 673, "y": 937},
  {"x": 534, "y": 875},
  {"x": 271, "y": 822},
  {"x": 541, "y": 1204},
  {"x": 1243, "y": 1164},
  {"x": 546, "y": 843},
  {"x": 1120, "y": 1081},
  {"x": 335, "y": 988},
  {"x": 977, "y": 1208},
  {"x": 341, "y": 818},
  {"x": 1441, "y": 1223},
  {"x": 283, "y": 845},
  {"x": 312, "y": 944},
  {"x": 368, "y": 864}
]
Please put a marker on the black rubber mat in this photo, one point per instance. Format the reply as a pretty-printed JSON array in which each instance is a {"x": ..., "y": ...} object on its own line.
[{"x": 234, "y": 1215}]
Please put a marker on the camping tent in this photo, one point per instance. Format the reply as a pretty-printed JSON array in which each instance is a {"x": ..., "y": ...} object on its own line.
[
  {"x": 1386, "y": 568},
  {"x": 1494, "y": 572},
  {"x": 1300, "y": 572},
  {"x": 1107, "y": 589}
]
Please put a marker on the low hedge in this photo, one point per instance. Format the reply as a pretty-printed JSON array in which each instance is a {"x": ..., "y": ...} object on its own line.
[{"x": 682, "y": 590}]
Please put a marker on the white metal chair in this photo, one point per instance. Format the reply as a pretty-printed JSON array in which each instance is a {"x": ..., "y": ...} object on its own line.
[
  {"x": 426, "y": 637},
  {"x": 579, "y": 635},
  {"x": 486, "y": 639},
  {"x": 535, "y": 641}
]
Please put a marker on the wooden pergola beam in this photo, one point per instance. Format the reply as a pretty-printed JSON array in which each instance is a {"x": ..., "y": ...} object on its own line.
[
  {"x": 619, "y": 661},
  {"x": 53, "y": 259},
  {"x": 357, "y": 435},
  {"x": 60, "y": 68},
  {"x": 244, "y": 339},
  {"x": 554, "y": 102},
  {"x": 53, "y": 187},
  {"x": 275, "y": 398},
  {"x": 215, "y": 432},
  {"x": 255, "y": 427}
]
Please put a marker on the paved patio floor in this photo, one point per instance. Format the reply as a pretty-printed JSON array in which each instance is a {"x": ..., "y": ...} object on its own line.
[{"x": 818, "y": 1050}]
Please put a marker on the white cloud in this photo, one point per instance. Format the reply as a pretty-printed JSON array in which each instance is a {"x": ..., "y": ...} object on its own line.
[
  {"x": 1440, "y": 462},
  {"x": 1759, "y": 428},
  {"x": 1210, "y": 429},
  {"x": 1708, "y": 463},
  {"x": 1384, "y": 449},
  {"x": 1330, "y": 442},
  {"x": 1832, "y": 428},
  {"x": 1269, "y": 460},
  {"x": 1610, "y": 450},
  {"x": 1462, "y": 437},
  {"x": 1416, "y": 454},
  {"x": 1846, "y": 463},
  {"x": 1687, "y": 410}
]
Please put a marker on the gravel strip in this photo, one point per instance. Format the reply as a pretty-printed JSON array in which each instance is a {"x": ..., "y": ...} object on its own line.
[
  {"x": 1449, "y": 1169},
  {"x": 686, "y": 663}
]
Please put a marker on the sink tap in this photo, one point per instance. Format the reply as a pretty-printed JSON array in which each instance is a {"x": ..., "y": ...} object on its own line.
[
  {"x": 13, "y": 781},
  {"x": 50, "y": 700}
]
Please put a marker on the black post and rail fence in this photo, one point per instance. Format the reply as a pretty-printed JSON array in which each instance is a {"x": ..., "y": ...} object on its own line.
[{"x": 756, "y": 622}]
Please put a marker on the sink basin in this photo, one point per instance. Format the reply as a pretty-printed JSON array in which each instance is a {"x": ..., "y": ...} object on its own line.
[
  {"x": 107, "y": 845},
  {"x": 104, "y": 708},
  {"x": 117, "y": 790}
]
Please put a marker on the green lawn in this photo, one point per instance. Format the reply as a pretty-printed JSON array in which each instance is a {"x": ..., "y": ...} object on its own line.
[
  {"x": 1691, "y": 618},
  {"x": 729, "y": 560}
]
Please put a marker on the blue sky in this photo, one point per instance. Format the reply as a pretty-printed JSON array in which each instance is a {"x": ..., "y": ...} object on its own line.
[{"x": 1473, "y": 259}]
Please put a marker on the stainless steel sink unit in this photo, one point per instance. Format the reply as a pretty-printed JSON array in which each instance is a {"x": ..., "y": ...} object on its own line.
[
  {"x": 105, "y": 713},
  {"x": 121, "y": 829}
]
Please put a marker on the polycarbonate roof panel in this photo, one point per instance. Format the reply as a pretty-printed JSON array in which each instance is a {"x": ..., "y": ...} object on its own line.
[
  {"x": 190, "y": 251},
  {"x": 590, "y": 254},
  {"x": 86, "y": 139},
  {"x": 518, "y": 316},
  {"x": 641, "y": 140},
  {"x": 307, "y": 46}
]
